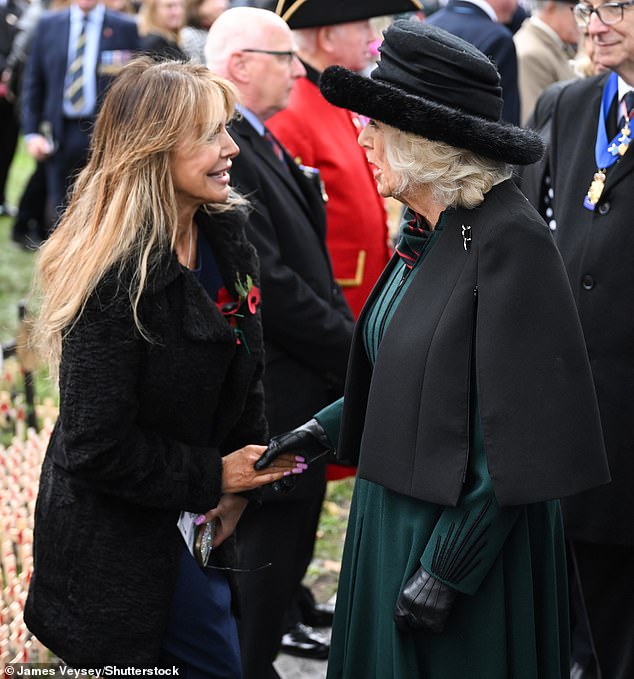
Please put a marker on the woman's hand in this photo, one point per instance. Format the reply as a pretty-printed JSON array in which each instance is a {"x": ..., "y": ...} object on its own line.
[
  {"x": 226, "y": 514},
  {"x": 239, "y": 473},
  {"x": 310, "y": 440}
]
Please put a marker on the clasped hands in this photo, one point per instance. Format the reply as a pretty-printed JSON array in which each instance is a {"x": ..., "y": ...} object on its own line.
[
  {"x": 425, "y": 602},
  {"x": 239, "y": 474},
  {"x": 309, "y": 441}
]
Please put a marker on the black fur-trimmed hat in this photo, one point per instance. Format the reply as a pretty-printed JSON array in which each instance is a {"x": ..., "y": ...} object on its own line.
[
  {"x": 438, "y": 86},
  {"x": 312, "y": 13}
]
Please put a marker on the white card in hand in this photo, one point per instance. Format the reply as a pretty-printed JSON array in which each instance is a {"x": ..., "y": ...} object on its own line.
[{"x": 187, "y": 527}]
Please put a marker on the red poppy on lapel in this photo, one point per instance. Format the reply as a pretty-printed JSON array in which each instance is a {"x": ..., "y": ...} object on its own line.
[{"x": 107, "y": 32}]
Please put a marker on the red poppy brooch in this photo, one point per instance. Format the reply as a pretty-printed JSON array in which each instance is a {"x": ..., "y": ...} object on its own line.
[{"x": 232, "y": 307}]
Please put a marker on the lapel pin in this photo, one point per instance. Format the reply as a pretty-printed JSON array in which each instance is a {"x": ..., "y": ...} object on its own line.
[{"x": 466, "y": 237}]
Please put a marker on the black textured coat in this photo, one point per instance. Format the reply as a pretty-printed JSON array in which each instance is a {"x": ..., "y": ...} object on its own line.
[
  {"x": 507, "y": 295},
  {"x": 598, "y": 250},
  {"x": 140, "y": 435}
]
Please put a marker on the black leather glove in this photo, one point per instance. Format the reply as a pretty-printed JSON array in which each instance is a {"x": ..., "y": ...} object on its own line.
[
  {"x": 310, "y": 441},
  {"x": 425, "y": 603}
]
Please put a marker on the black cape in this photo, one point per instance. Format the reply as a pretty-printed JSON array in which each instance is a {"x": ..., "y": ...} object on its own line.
[{"x": 505, "y": 297}]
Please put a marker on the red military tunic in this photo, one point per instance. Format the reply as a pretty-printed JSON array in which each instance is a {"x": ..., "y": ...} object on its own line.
[{"x": 321, "y": 135}]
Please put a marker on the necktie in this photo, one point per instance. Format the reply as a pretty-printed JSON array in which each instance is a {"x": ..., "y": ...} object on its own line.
[
  {"x": 75, "y": 75},
  {"x": 277, "y": 149},
  {"x": 628, "y": 101}
]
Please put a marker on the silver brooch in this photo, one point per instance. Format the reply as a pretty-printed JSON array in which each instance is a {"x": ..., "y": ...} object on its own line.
[{"x": 466, "y": 237}]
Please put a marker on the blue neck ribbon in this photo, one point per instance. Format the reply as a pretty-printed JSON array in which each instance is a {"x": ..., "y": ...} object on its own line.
[{"x": 605, "y": 152}]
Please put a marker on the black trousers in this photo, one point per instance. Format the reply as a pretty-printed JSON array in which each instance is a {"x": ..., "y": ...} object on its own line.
[
  {"x": 32, "y": 209},
  {"x": 604, "y": 575},
  {"x": 281, "y": 533},
  {"x": 64, "y": 165},
  {"x": 9, "y": 128}
]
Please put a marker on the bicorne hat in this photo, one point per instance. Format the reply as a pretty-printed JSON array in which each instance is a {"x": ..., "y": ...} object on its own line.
[
  {"x": 312, "y": 13},
  {"x": 438, "y": 86}
]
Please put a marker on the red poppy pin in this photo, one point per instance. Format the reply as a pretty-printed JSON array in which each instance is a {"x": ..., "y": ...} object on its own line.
[
  {"x": 229, "y": 305},
  {"x": 107, "y": 32}
]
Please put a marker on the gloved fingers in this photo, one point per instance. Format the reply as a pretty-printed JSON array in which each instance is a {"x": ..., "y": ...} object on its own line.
[{"x": 268, "y": 456}]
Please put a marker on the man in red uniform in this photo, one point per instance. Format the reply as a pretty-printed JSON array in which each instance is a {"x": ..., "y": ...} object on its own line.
[{"x": 320, "y": 135}]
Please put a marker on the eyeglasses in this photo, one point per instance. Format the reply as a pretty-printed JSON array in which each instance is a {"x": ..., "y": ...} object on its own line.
[
  {"x": 610, "y": 13},
  {"x": 288, "y": 55}
]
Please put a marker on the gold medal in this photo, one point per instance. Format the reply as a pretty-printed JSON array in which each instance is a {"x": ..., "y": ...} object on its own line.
[
  {"x": 596, "y": 187},
  {"x": 622, "y": 148}
]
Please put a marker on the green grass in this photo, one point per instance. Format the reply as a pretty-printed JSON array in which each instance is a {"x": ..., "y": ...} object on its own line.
[
  {"x": 16, "y": 270},
  {"x": 16, "y": 264}
]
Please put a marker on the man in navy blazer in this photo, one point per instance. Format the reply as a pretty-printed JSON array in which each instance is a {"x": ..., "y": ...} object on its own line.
[
  {"x": 54, "y": 129},
  {"x": 480, "y": 23}
]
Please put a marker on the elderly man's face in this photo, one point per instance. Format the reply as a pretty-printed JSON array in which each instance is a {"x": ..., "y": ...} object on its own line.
[
  {"x": 352, "y": 43},
  {"x": 614, "y": 44},
  {"x": 272, "y": 75}
]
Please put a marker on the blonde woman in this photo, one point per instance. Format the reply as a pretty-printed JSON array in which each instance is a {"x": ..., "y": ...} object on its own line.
[
  {"x": 159, "y": 364},
  {"x": 160, "y": 24},
  {"x": 469, "y": 406}
]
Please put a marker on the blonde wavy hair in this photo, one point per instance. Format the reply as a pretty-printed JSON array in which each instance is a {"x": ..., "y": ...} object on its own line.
[
  {"x": 457, "y": 177},
  {"x": 122, "y": 212}
]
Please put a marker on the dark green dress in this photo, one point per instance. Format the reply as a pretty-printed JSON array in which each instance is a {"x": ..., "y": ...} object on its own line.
[{"x": 510, "y": 620}]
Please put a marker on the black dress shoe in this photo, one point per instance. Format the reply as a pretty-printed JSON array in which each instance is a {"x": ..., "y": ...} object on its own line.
[
  {"x": 318, "y": 615},
  {"x": 302, "y": 641}
]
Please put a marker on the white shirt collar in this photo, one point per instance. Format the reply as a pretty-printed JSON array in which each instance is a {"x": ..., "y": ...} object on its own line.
[
  {"x": 95, "y": 14},
  {"x": 624, "y": 88}
]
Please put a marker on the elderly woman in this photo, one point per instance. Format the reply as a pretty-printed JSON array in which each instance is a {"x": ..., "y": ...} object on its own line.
[
  {"x": 160, "y": 364},
  {"x": 469, "y": 405}
]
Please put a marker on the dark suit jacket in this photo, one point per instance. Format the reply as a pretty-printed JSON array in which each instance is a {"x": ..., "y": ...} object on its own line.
[
  {"x": 531, "y": 178},
  {"x": 43, "y": 90},
  {"x": 598, "y": 251},
  {"x": 142, "y": 429},
  {"x": 472, "y": 24},
  {"x": 307, "y": 323}
]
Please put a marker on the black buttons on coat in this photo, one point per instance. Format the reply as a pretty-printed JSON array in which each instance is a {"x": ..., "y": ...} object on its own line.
[
  {"x": 604, "y": 208},
  {"x": 587, "y": 282}
]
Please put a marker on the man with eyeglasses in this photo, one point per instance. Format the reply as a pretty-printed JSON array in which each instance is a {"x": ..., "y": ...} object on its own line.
[
  {"x": 306, "y": 321},
  {"x": 592, "y": 169}
]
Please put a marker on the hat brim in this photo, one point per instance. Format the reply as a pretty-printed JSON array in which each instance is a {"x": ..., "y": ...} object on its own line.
[{"x": 388, "y": 104}]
